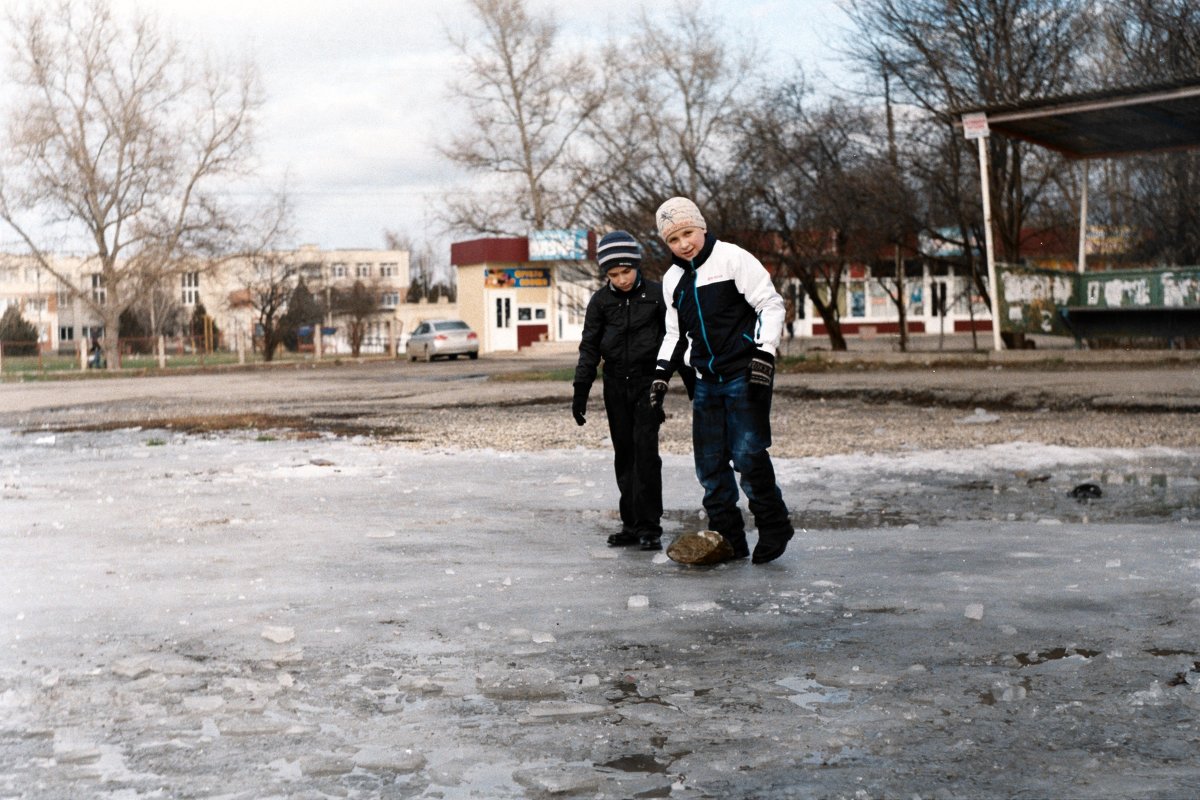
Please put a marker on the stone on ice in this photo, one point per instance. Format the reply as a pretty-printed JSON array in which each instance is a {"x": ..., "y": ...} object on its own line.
[
  {"x": 637, "y": 601},
  {"x": 701, "y": 547},
  {"x": 974, "y": 611}
]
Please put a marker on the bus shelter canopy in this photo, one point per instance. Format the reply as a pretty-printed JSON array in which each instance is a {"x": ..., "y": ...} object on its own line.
[{"x": 1105, "y": 123}]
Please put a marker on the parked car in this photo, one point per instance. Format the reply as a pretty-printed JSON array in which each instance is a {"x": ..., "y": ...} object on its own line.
[{"x": 436, "y": 338}]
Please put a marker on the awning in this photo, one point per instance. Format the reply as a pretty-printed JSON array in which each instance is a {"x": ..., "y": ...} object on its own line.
[{"x": 1102, "y": 124}]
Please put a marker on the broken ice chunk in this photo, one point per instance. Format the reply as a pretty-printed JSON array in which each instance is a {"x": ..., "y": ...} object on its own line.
[{"x": 278, "y": 634}]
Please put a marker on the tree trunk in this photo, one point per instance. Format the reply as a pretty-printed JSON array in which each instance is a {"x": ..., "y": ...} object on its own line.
[{"x": 901, "y": 302}]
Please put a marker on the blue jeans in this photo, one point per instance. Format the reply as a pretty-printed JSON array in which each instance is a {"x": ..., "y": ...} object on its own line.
[{"x": 731, "y": 432}]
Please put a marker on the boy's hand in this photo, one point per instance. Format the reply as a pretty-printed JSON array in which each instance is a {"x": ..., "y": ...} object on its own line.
[
  {"x": 579, "y": 404},
  {"x": 658, "y": 391},
  {"x": 762, "y": 374}
]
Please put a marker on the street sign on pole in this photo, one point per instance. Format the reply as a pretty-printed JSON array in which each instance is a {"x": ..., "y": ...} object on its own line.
[{"x": 975, "y": 126}]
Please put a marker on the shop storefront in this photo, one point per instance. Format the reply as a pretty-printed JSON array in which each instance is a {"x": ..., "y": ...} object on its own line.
[{"x": 517, "y": 291}]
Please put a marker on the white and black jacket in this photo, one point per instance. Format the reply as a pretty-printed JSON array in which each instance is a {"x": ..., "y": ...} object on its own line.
[{"x": 724, "y": 305}]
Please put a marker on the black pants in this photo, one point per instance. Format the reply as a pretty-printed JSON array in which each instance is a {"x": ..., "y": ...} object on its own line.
[{"x": 633, "y": 425}]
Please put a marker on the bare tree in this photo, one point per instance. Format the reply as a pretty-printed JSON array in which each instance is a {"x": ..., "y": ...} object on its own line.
[
  {"x": 947, "y": 56},
  {"x": 526, "y": 101},
  {"x": 1155, "y": 195},
  {"x": 357, "y": 305},
  {"x": 118, "y": 140},
  {"x": 668, "y": 125},
  {"x": 267, "y": 280},
  {"x": 429, "y": 277},
  {"x": 824, "y": 194}
]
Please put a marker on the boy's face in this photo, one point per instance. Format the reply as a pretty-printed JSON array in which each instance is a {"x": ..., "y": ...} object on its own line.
[
  {"x": 686, "y": 243},
  {"x": 622, "y": 278}
]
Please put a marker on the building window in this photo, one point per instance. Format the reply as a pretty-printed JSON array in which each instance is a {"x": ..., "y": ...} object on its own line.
[
  {"x": 387, "y": 270},
  {"x": 389, "y": 299},
  {"x": 66, "y": 333},
  {"x": 99, "y": 293},
  {"x": 339, "y": 270},
  {"x": 191, "y": 288},
  {"x": 362, "y": 271}
]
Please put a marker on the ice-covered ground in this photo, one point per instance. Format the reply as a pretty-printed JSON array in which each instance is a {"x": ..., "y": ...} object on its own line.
[{"x": 248, "y": 616}]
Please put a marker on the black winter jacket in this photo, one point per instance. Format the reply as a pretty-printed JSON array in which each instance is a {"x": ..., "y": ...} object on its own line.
[{"x": 624, "y": 329}]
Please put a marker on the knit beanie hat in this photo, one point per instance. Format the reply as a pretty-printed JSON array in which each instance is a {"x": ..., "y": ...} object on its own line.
[
  {"x": 676, "y": 214},
  {"x": 618, "y": 249}
]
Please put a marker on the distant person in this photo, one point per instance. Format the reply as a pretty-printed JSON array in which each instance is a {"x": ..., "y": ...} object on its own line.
[
  {"x": 721, "y": 299},
  {"x": 623, "y": 327},
  {"x": 95, "y": 354}
]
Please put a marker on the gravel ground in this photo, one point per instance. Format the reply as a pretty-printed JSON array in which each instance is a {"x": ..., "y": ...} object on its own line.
[
  {"x": 815, "y": 428},
  {"x": 502, "y": 404}
]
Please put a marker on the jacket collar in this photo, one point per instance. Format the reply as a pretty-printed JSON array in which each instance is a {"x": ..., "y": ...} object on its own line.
[
  {"x": 637, "y": 287},
  {"x": 697, "y": 262}
]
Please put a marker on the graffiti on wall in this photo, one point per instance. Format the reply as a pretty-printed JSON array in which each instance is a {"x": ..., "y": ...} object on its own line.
[
  {"x": 1181, "y": 289},
  {"x": 1119, "y": 292},
  {"x": 1030, "y": 299}
]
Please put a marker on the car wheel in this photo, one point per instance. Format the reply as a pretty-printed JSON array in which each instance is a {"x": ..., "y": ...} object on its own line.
[
  {"x": 472, "y": 356},
  {"x": 454, "y": 357}
]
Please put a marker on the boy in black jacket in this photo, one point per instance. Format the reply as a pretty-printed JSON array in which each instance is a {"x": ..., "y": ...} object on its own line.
[{"x": 624, "y": 326}]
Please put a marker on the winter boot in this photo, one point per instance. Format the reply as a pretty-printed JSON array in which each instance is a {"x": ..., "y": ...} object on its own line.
[{"x": 625, "y": 538}]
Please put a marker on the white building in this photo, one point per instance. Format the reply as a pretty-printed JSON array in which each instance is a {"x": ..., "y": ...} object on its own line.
[{"x": 64, "y": 320}]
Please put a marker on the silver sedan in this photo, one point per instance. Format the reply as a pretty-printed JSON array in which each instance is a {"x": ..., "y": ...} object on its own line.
[{"x": 437, "y": 338}]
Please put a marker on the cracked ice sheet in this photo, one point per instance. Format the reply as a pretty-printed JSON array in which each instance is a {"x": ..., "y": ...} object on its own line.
[{"x": 442, "y": 602}]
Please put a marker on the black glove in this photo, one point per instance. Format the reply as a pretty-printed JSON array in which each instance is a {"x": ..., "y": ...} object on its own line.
[
  {"x": 658, "y": 391},
  {"x": 579, "y": 404},
  {"x": 762, "y": 374}
]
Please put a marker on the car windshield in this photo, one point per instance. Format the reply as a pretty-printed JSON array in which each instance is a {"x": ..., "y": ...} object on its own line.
[{"x": 453, "y": 325}]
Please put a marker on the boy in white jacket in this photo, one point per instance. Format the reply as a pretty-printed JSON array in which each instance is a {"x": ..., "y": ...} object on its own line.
[{"x": 720, "y": 297}]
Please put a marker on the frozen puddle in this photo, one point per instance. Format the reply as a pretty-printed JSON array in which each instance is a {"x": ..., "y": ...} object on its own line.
[{"x": 810, "y": 692}]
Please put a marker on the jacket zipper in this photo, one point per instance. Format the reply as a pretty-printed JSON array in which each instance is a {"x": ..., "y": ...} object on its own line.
[
  {"x": 712, "y": 357},
  {"x": 628, "y": 331}
]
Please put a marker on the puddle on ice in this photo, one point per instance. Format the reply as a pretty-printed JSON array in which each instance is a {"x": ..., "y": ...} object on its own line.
[
  {"x": 810, "y": 692},
  {"x": 636, "y": 763},
  {"x": 1054, "y": 654}
]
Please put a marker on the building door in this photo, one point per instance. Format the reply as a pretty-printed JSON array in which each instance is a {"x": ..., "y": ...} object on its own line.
[{"x": 502, "y": 323}]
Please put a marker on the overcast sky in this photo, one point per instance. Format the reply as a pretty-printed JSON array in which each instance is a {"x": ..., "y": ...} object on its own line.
[{"x": 356, "y": 90}]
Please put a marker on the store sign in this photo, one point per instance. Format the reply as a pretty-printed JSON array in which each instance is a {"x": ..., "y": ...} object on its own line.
[
  {"x": 558, "y": 245},
  {"x": 516, "y": 278}
]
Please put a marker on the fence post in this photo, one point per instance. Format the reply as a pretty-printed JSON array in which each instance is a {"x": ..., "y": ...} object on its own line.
[
  {"x": 83, "y": 354},
  {"x": 161, "y": 344},
  {"x": 241, "y": 346},
  {"x": 318, "y": 342}
]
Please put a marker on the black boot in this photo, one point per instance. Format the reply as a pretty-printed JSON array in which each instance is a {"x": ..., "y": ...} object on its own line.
[
  {"x": 771, "y": 547},
  {"x": 738, "y": 542},
  {"x": 625, "y": 538},
  {"x": 651, "y": 541}
]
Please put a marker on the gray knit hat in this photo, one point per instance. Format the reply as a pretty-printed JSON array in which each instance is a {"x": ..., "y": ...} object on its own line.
[{"x": 618, "y": 249}]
